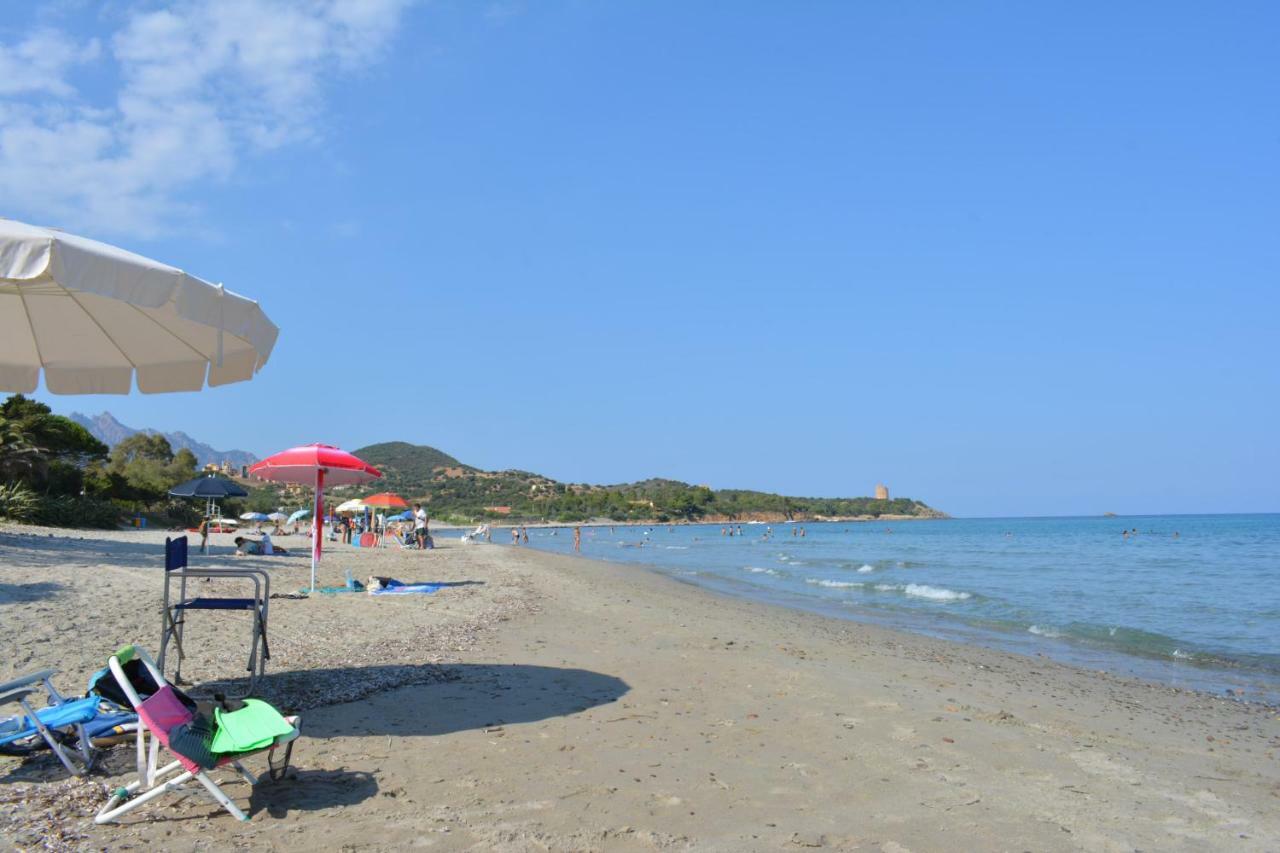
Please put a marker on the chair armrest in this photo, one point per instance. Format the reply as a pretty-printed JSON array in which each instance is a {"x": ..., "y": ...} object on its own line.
[
  {"x": 261, "y": 580},
  {"x": 15, "y": 694},
  {"x": 28, "y": 679}
]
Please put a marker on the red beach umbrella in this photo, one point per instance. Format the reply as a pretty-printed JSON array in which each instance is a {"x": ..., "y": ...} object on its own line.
[
  {"x": 386, "y": 500},
  {"x": 315, "y": 464}
]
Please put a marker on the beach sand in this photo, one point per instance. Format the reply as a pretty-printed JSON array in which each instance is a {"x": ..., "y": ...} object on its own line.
[{"x": 546, "y": 702}]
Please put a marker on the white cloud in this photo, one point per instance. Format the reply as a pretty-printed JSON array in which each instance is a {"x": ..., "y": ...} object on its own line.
[
  {"x": 201, "y": 86},
  {"x": 39, "y": 63}
]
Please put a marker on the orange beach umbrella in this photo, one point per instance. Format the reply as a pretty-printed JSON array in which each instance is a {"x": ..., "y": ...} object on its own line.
[{"x": 385, "y": 500}]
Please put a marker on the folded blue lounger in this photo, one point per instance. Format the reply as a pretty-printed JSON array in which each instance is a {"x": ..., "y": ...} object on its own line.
[{"x": 60, "y": 722}]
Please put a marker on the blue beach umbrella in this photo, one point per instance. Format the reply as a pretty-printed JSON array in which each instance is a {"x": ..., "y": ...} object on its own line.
[
  {"x": 299, "y": 515},
  {"x": 254, "y": 516}
]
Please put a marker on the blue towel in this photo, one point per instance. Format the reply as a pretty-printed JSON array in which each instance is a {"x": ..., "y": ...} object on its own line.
[{"x": 395, "y": 587}]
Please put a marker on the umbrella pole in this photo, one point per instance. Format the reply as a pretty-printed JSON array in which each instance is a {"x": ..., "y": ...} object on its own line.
[{"x": 317, "y": 525}]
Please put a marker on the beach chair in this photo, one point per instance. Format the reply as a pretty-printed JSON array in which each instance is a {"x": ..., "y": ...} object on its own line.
[
  {"x": 61, "y": 724},
  {"x": 403, "y": 541},
  {"x": 160, "y": 715},
  {"x": 177, "y": 606}
]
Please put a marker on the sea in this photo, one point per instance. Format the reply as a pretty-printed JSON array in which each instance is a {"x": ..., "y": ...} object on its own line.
[{"x": 1186, "y": 600}]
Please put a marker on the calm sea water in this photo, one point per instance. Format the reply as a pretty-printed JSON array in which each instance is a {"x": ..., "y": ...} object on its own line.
[{"x": 1200, "y": 609}]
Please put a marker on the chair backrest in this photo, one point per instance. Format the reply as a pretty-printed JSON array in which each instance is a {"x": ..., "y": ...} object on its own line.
[{"x": 175, "y": 553}]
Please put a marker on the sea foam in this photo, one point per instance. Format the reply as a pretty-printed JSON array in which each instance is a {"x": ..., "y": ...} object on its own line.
[{"x": 919, "y": 590}]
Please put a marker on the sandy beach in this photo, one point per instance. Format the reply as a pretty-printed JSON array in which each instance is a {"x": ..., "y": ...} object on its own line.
[{"x": 542, "y": 702}]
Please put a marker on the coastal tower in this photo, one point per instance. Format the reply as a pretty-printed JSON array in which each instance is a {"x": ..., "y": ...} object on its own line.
[{"x": 882, "y": 492}]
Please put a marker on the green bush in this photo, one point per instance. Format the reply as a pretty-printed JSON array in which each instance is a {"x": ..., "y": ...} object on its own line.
[
  {"x": 69, "y": 511},
  {"x": 17, "y": 502}
]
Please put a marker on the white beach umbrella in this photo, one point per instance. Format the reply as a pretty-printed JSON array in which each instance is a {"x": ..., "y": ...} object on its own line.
[
  {"x": 91, "y": 316},
  {"x": 353, "y": 505},
  {"x": 276, "y": 516}
]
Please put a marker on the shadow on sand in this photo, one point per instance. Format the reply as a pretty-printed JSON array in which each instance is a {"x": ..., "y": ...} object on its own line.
[
  {"x": 312, "y": 790},
  {"x": 470, "y": 696},
  {"x": 14, "y": 592},
  {"x": 76, "y": 547}
]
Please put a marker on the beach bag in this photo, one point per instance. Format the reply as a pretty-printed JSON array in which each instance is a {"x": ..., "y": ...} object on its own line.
[
  {"x": 194, "y": 741},
  {"x": 104, "y": 684}
]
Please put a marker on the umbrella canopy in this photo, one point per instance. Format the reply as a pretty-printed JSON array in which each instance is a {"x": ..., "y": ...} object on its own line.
[
  {"x": 300, "y": 464},
  {"x": 353, "y": 505},
  {"x": 209, "y": 487},
  {"x": 386, "y": 500},
  {"x": 318, "y": 464},
  {"x": 211, "y": 490},
  {"x": 407, "y": 515},
  {"x": 253, "y": 516},
  {"x": 298, "y": 516},
  {"x": 276, "y": 516},
  {"x": 91, "y": 316}
]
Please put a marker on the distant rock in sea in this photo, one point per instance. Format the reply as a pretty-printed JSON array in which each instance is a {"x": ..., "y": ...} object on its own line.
[{"x": 111, "y": 432}]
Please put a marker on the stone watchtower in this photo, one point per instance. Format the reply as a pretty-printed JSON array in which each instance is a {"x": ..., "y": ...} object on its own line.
[{"x": 882, "y": 492}]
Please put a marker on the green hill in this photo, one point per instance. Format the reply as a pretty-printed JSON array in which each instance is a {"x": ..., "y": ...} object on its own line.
[
  {"x": 406, "y": 465},
  {"x": 451, "y": 488}
]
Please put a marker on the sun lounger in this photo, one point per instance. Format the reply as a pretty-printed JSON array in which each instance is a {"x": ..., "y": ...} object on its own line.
[
  {"x": 67, "y": 726},
  {"x": 167, "y": 714}
]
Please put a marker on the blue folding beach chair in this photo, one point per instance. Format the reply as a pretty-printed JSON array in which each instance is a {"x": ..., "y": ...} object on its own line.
[
  {"x": 61, "y": 724},
  {"x": 177, "y": 606}
]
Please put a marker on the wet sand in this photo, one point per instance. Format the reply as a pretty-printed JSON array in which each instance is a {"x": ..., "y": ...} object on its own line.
[{"x": 561, "y": 703}]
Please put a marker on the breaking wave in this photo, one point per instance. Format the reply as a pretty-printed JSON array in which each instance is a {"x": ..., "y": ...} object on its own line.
[{"x": 919, "y": 590}]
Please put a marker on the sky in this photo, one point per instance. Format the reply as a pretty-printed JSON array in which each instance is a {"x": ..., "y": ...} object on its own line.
[{"x": 1007, "y": 258}]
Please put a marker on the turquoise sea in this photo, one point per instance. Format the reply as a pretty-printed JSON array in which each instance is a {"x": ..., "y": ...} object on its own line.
[{"x": 1188, "y": 600}]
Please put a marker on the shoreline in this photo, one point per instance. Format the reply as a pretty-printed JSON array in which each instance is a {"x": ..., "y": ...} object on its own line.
[
  {"x": 602, "y": 706},
  {"x": 1225, "y": 678}
]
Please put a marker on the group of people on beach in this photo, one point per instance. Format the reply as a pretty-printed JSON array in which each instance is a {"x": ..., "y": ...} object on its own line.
[{"x": 344, "y": 529}]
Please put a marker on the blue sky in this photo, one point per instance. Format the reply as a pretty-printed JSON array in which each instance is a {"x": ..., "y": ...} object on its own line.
[{"x": 1010, "y": 259}]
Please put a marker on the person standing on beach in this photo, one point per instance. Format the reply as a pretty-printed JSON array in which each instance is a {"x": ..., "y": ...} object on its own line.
[
  {"x": 577, "y": 539},
  {"x": 420, "y": 526},
  {"x": 204, "y": 535},
  {"x": 524, "y": 534}
]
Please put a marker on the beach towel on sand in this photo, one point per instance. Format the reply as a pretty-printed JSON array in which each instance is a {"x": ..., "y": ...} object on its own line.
[{"x": 391, "y": 586}]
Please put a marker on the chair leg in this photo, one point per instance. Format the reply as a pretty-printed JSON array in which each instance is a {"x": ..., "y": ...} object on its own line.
[
  {"x": 179, "y": 630},
  {"x": 248, "y": 777},
  {"x": 110, "y": 811},
  {"x": 49, "y": 738},
  {"x": 218, "y": 794},
  {"x": 87, "y": 752}
]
